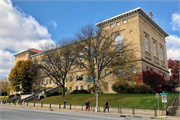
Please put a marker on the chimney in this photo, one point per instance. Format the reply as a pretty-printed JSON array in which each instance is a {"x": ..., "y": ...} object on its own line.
[{"x": 150, "y": 15}]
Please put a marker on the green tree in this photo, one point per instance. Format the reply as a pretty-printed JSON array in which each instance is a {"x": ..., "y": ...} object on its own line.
[{"x": 23, "y": 75}]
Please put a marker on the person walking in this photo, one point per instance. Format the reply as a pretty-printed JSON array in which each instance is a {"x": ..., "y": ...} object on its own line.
[
  {"x": 106, "y": 106},
  {"x": 88, "y": 105},
  {"x": 64, "y": 104}
]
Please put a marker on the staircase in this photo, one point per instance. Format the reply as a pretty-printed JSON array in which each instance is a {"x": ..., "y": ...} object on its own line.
[
  {"x": 38, "y": 93},
  {"x": 11, "y": 99},
  {"x": 174, "y": 110}
]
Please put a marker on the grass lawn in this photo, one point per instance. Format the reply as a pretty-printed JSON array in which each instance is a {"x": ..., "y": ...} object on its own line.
[
  {"x": 2, "y": 97},
  {"x": 142, "y": 101}
]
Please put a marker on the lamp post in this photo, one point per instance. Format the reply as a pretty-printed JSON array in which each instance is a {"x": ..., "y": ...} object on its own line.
[
  {"x": 45, "y": 89},
  {"x": 96, "y": 56},
  {"x": 33, "y": 92}
]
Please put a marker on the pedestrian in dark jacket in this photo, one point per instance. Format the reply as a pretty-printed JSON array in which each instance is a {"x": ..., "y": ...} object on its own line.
[
  {"x": 64, "y": 104},
  {"x": 86, "y": 103},
  {"x": 106, "y": 106}
]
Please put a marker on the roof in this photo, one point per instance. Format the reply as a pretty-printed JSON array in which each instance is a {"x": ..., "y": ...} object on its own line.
[
  {"x": 139, "y": 11},
  {"x": 35, "y": 50},
  {"x": 30, "y": 49}
]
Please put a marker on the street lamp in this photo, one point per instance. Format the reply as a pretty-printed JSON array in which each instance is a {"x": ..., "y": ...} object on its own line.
[
  {"x": 33, "y": 91},
  {"x": 96, "y": 56}
]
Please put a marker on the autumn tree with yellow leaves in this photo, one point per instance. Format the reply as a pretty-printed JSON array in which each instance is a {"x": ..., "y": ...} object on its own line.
[{"x": 23, "y": 75}]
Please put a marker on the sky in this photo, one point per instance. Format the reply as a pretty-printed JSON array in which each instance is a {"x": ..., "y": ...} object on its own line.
[{"x": 26, "y": 24}]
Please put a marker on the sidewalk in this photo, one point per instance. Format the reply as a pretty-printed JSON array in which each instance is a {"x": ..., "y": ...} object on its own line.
[{"x": 79, "y": 109}]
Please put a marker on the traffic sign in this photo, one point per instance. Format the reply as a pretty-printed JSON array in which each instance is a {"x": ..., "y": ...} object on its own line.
[
  {"x": 164, "y": 98},
  {"x": 89, "y": 80}
]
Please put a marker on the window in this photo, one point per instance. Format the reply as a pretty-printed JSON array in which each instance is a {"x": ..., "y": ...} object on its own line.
[
  {"x": 147, "y": 69},
  {"x": 43, "y": 62},
  {"x": 124, "y": 21},
  {"x": 46, "y": 81},
  {"x": 81, "y": 58},
  {"x": 70, "y": 88},
  {"x": 39, "y": 83},
  {"x": 111, "y": 25},
  {"x": 161, "y": 51},
  {"x": 133, "y": 69},
  {"x": 76, "y": 87},
  {"x": 82, "y": 87},
  {"x": 50, "y": 81},
  {"x": 117, "y": 24},
  {"x": 71, "y": 78},
  {"x": 82, "y": 76},
  {"x": 146, "y": 44},
  {"x": 42, "y": 82},
  {"x": 106, "y": 86},
  {"x": 118, "y": 41},
  {"x": 154, "y": 49},
  {"x": 106, "y": 72},
  {"x": 89, "y": 86},
  {"x": 66, "y": 79}
]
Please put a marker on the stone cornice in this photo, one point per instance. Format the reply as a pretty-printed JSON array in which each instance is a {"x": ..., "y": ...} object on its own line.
[{"x": 133, "y": 12}]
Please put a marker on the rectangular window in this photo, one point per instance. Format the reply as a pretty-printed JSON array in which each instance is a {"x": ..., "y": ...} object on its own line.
[
  {"x": 133, "y": 69},
  {"x": 76, "y": 87},
  {"x": 71, "y": 78},
  {"x": 111, "y": 25},
  {"x": 106, "y": 86},
  {"x": 82, "y": 76},
  {"x": 106, "y": 72},
  {"x": 161, "y": 51},
  {"x": 124, "y": 21},
  {"x": 89, "y": 86},
  {"x": 43, "y": 62},
  {"x": 39, "y": 83},
  {"x": 46, "y": 81},
  {"x": 49, "y": 81},
  {"x": 42, "y": 82},
  {"x": 66, "y": 79},
  {"x": 147, "y": 69},
  {"x": 117, "y": 24},
  {"x": 70, "y": 88},
  {"x": 154, "y": 48},
  {"x": 146, "y": 44},
  {"x": 82, "y": 87}
]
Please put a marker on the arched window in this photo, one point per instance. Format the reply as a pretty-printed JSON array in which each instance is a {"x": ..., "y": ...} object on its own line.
[
  {"x": 119, "y": 41},
  {"x": 146, "y": 43}
]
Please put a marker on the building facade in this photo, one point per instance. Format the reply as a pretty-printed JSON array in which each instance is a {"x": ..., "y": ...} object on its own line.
[{"x": 134, "y": 25}]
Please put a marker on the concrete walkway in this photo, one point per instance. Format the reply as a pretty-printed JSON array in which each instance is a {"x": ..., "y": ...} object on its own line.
[{"x": 139, "y": 113}]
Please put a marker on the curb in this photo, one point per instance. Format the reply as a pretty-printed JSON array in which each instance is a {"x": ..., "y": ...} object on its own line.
[{"x": 86, "y": 112}]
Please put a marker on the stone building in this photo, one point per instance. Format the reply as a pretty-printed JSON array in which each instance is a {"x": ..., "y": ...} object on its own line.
[{"x": 134, "y": 25}]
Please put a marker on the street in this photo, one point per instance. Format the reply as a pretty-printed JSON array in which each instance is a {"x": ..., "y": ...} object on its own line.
[{"x": 10, "y": 113}]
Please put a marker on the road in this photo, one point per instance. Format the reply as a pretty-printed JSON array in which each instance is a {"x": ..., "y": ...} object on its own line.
[{"x": 10, "y": 113}]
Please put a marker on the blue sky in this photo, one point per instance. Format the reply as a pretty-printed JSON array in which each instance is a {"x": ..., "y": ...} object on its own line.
[{"x": 27, "y": 23}]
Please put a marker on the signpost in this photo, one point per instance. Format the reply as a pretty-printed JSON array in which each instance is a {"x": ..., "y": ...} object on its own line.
[
  {"x": 164, "y": 99},
  {"x": 89, "y": 80}
]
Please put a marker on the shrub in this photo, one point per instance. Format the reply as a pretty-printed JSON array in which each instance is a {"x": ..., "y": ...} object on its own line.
[
  {"x": 54, "y": 93},
  {"x": 11, "y": 96},
  {"x": 80, "y": 92},
  {"x": 143, "y": 89},
  {"x": 17, "y": 94},
  {"x": 42, "y": 96},
  {"x": 120, "y": 87}
]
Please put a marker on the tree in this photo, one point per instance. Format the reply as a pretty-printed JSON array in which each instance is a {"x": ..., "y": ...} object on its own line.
[
  {"x": 56, "y": 61},
  {"x": 23, "y": 75},
  {"x": 150, "y": 78},
  {"x": 5, "y": 86},
  {"x": 93, "y": 42},
  {"x": 174, "y": 66}
]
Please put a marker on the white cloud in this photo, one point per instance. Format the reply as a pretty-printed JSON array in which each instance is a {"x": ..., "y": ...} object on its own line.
[
  {"x": 52, "y": 22},
  {"x": 173, "y": 47},
  {"x": 175, "y": 22},
  {"x": 19, "y": 32}
]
